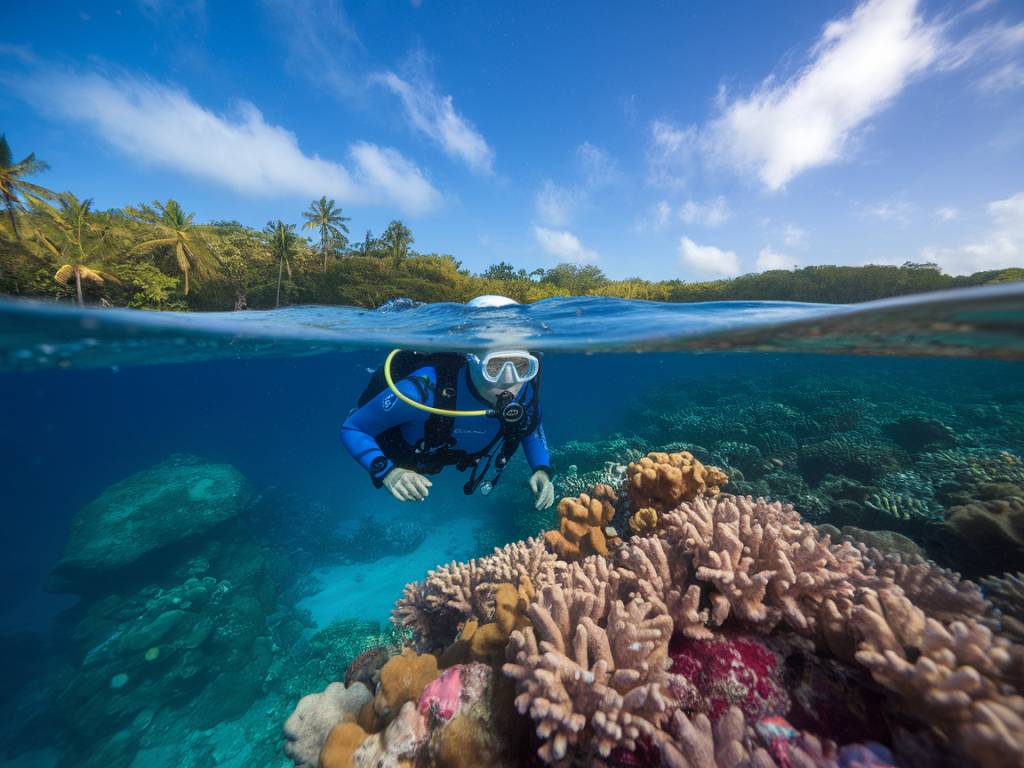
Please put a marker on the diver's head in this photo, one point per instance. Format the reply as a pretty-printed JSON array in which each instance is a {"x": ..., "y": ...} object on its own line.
[
  {"x": 490, "y": 301},
  {"x": 505, "y": 370}
]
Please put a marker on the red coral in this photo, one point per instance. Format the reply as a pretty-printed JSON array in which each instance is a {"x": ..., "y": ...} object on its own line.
[{"x": 731, "y": 670}]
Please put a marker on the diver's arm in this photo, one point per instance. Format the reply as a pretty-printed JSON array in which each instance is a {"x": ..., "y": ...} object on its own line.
[{"x": 384, "y": 411}]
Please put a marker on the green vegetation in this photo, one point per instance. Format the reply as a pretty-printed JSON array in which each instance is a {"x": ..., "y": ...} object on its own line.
[{"x": 156, "y": 257}]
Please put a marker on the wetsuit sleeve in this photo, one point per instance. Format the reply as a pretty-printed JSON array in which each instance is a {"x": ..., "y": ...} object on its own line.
[
  {"x": 360, "y": 430},
  {"x": 535, "y": 448}
]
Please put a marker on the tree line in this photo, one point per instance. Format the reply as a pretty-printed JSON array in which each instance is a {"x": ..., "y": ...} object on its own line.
[{"x": 155, "y": 256}]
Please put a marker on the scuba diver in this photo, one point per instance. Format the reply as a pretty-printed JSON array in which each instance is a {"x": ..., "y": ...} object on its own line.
[{"x": 422, "y": 412}]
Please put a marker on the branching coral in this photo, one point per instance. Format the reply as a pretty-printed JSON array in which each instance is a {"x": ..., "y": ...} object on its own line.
[
  {"x": 581, "y": 532},
  {"x": 764, "y": 562},
  {"x": 1007, "y": 593},
  {"x": 591, "y": 668},
  {"x": 959, "y": 677},
  {"x": 452, "y": 594}
]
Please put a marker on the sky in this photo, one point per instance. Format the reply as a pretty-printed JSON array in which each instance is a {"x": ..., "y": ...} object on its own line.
[{"x": 652, "y": 139}]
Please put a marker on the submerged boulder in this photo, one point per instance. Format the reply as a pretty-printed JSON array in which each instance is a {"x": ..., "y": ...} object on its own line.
[{"x": 147, "y": 513}]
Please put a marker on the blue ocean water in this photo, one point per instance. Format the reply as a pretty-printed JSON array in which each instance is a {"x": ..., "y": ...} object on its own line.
[{"x": 790, "y": 398}]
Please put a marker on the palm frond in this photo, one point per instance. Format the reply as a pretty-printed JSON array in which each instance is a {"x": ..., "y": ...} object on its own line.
[{"x": 64, "y": 274}]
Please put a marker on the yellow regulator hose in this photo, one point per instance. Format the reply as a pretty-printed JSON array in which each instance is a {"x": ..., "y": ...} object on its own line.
[{"x": 413, "y": 403}]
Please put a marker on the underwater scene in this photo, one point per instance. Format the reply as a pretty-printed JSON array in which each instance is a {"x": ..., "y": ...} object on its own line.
[{"x": 781, "y": 535}]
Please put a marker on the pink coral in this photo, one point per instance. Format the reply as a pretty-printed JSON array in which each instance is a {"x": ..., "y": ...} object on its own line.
[
  {"x": 731, "y": 671},
  {"x": 441, "y": 697}
]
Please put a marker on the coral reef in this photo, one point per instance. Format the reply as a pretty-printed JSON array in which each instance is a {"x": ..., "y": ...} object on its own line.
[
  {"x": 583, "y": 527},
  {"x": 700, "y": 644}
]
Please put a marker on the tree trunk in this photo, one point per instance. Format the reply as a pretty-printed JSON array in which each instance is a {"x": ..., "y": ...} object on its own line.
[
  {"x": 14, "y": 221},
  {"x": 323, "y": 245},
  {"x": 280, "y": 269},
  {"x": 78, "y": 286},
  {"x": 186, "y": 282}
]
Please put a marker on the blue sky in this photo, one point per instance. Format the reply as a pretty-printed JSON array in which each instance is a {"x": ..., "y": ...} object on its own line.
[{"x": 661, "y": 139}]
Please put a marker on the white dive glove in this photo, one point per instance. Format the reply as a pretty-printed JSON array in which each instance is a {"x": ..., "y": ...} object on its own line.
[
  {"x": 406, "y": 485},
  {"x": 543, "y": 489}
]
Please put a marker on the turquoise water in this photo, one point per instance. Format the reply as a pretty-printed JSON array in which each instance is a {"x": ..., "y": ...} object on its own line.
[{"x": 188, "y": 641}]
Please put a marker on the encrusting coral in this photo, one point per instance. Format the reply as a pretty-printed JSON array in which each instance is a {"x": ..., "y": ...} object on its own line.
[{"x": 583, "y": 522}]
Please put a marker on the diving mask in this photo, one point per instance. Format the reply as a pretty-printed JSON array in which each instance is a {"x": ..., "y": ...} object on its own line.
[{"x": 507, "y": 366}]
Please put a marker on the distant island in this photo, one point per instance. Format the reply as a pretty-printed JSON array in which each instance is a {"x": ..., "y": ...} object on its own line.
[{"x": 154, "y": 256}]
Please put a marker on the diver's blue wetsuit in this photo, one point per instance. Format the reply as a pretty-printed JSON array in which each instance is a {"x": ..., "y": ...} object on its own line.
[{"x": 469, "y": 433}]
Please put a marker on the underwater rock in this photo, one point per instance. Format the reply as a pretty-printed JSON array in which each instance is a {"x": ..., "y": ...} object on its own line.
[
  {"x": 916, "y": 433},
  {"x": 144, "y": 514},
  {"x": 372, "y": 541},
  {"x": 993, "y": 527},
  {"x": 176, "y": 615},
  {"x": 316, "y": 715},
  {"x": 365, "y": 668}
]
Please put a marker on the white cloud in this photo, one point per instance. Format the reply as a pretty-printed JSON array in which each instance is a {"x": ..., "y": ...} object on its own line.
[
  {"x": 859, "y": 64},
  {"x": 794, "y": 236},
  {"x": 707, "y": 259},
  {"x": 769, "y": 259},
  {"x": 321, "y": 44},
  {"x": 555, "y": 205},
  {"x": 711, "y": 214},
  {"x": 164, "y": 126},
  {"x": 1008, "y": 77},
  {"x": 1001, "y": 247},
  {"x": 434, "y": 115},
  {"x": 946, "y": 213},
  {"x": 563, "y": 245},
  {"x": 897, "y": 211},
  {"x": 598, "y": 168},
  {"x": 671, "y": 154},
  {"x": 662, "y": 214}
]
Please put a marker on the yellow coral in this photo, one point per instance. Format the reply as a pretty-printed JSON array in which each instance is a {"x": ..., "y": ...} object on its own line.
[
  {"x": 342, "y": 743},
  {"x": 662, "y": 481},
  {"x": 644, "y": 521},
  {"x": 402, "y": 679},
  {"x": 485, "y": 642},
  {"x": 581, "y": 531}
]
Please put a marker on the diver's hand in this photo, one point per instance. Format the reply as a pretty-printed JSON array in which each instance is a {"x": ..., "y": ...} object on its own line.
[
  {"x": 543, "y": 489},
  {"x": 406, "y": 485}
]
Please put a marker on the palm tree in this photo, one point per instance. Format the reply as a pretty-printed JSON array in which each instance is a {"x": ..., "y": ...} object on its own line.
[
  {"x": 324, "y": 216},
  {"x": 396, "y": 239},
  {"x": 175, "y": 228},
  {"x": 12, "y": 184},
  {"x": 75, "y": 241},
  {"x": 280, "y": 237}
]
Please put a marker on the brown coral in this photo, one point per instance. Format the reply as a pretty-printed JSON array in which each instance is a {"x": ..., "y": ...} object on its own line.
[
  {"x": 581, "y": 531},
  {"x": 662, "y": 481},
  {"x": 485, "y": 642},
  {"x": 402, "y": 679},
  {"x": 994, "y": 525},
  {"x": 342, "y": 743},
  {"x": 450, "y": 595},
  {"x": 644, "y": 521}
]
